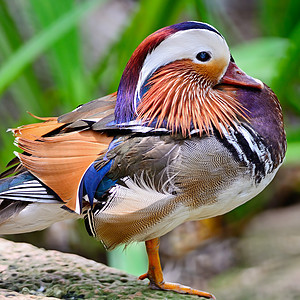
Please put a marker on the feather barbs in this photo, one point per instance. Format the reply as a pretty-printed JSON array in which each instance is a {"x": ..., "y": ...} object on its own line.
[
  {"x": 36, "y": 130},
  {"x": 60, "y": 161},
  {"x": 181, "y": 96}
]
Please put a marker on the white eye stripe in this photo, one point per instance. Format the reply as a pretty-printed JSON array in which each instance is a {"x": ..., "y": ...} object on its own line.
[{"x": 182, "y": 45}]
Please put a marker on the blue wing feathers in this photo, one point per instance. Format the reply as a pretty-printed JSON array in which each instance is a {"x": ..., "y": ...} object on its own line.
[
  {"x": 94, "y": 181},
  {"x": 26, "y": 187},
  {"x": 10, "y": 182}
]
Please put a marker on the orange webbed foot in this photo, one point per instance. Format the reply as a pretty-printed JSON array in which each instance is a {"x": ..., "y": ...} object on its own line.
[
  {"x": 175, "y": 287},
  {"x": 155, "y": 275}
]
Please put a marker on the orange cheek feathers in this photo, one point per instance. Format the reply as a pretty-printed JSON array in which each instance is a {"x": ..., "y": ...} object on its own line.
[{"x": 211, "y": 70}]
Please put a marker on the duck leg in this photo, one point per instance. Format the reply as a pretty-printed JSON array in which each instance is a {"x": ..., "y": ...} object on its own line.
[{"x": 155, "y": 274}]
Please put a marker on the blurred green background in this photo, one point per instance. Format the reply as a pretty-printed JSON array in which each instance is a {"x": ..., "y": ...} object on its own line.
[{"x": 55, "y": 55}]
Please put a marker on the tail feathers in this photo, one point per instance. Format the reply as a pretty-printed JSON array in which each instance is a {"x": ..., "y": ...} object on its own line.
[
  {"x": 26, "y": 187},
  {"x": 32, "y": 216},
  {"x": 10, "y": 208},
  {"x": 28, "y": 205},
  {"x": 18, "y": 191},
  {"x": 16, "y": 169},
  {"x": 36, "y": 130},
  {"x": 10, "y": 182}
]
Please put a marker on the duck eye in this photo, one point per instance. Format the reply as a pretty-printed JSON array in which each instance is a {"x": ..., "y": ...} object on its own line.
[{"x": 203, "y": 56}]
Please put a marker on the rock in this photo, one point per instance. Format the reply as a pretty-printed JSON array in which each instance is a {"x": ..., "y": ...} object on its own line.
[
  {"x": 267, "y": 256},
  {"x": 27, "y": 272}
]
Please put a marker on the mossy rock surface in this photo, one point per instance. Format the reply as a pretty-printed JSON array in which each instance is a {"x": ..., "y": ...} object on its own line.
[{"x": 27, "y": 272}]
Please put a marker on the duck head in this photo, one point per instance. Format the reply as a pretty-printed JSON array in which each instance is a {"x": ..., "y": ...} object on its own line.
[{"x": 172, "y": 80}]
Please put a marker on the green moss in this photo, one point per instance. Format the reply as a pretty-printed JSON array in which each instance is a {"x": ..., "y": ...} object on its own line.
[{"x": 32, "y": 271}]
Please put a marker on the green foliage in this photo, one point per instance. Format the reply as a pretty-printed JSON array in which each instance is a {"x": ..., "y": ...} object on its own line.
[
  {"x": 132, "y": 259},
  {"x": 55, "y": 24},
  {"x": 55, "y": 34},
  {"x": 43, "y": 66},
  {"x": 261, "y": 48}
]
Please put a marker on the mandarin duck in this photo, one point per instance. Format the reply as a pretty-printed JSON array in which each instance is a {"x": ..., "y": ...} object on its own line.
[{"x": 187, "y": 136}]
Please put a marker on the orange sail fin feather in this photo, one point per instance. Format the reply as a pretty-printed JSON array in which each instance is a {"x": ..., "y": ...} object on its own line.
[
  {"x": 175, "y": 95},
  {"x": 62, "y": 159},
  {"x": 34, "y": 131}
]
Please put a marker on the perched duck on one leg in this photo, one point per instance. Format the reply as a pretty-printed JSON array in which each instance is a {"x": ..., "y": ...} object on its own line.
[
  {"x": 155, "y": 274},
  {"x": 187, "y": 136}
]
